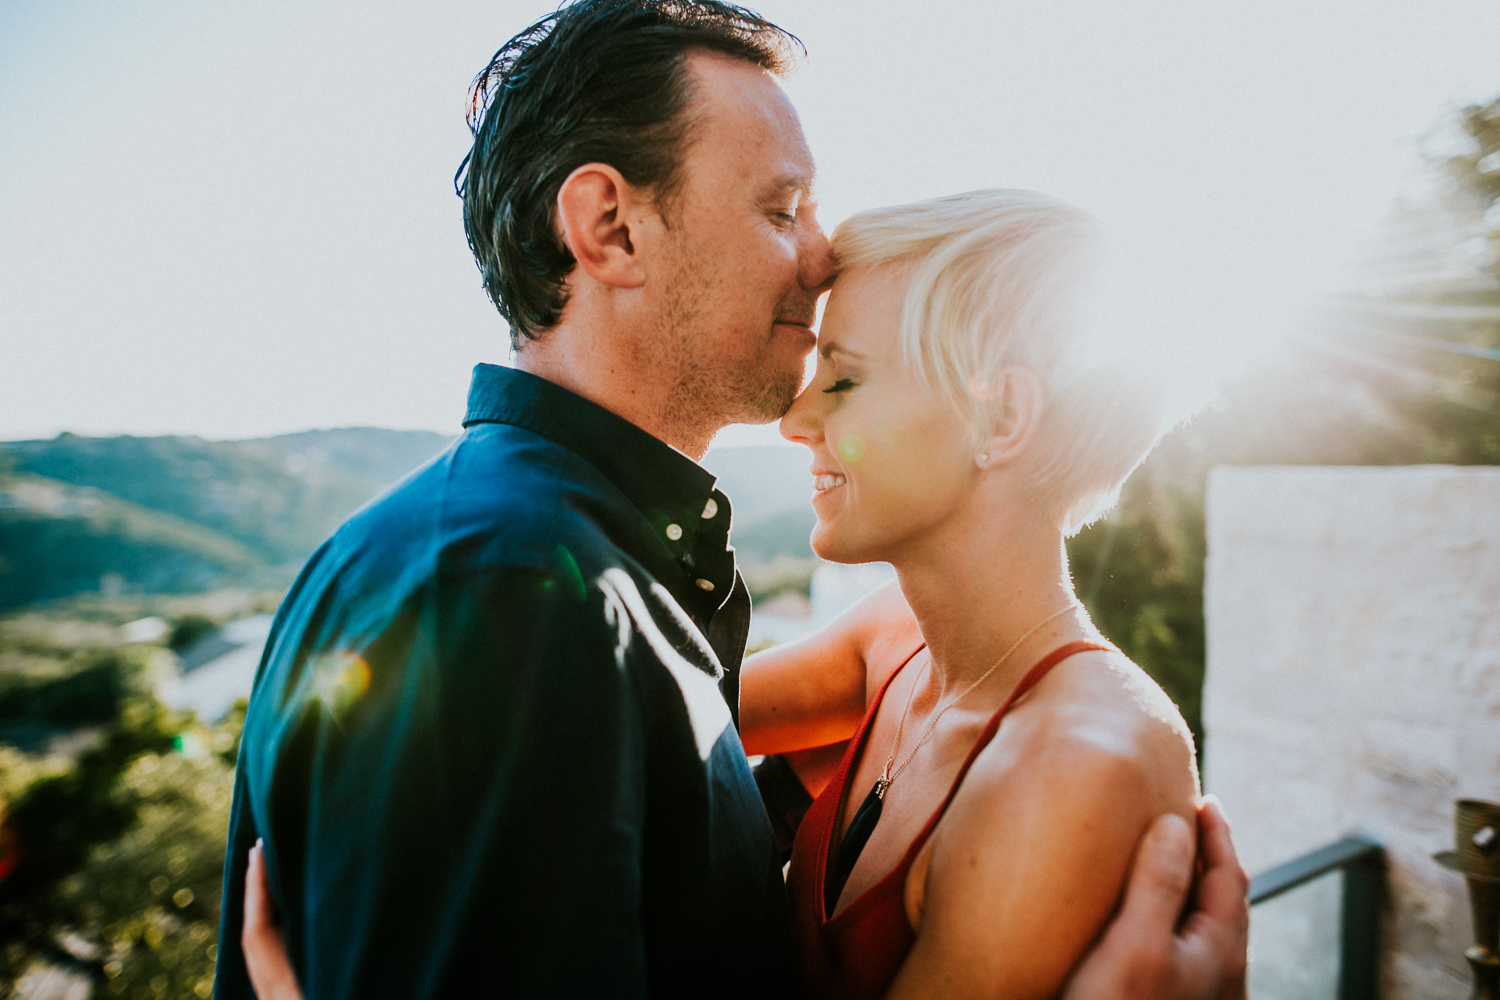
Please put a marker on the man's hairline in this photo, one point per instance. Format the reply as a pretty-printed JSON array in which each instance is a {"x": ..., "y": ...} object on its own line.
[
  {"x": 692, "y": 118},
  {"x": 663, "y": 200}
]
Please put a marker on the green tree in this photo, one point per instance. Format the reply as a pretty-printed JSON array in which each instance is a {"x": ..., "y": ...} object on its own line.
[
  {"x": 188, "y": 629},
  {"x": 111, "y": 858},
  {"x": 1140, "y": 573}
]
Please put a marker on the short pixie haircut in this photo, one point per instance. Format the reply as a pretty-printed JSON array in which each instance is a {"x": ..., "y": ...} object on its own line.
[{"x": 995, "y": 280}]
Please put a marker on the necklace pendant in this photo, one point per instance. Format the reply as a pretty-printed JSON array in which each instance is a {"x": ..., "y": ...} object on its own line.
[{"x": 881, "y": 784}]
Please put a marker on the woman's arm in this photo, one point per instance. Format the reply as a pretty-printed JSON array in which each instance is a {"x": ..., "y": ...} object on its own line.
[
  {"x": 271, "y": 975},
  {"x": 1031, "y": 858},
  {"x": 813, "y": 692}
]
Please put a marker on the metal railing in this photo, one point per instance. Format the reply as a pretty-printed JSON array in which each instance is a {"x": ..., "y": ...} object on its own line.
[{"x": 1362, "y": 862}]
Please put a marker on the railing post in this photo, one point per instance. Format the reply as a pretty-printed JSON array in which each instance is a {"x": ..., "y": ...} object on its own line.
[
  {"x": 1362, "y": 865},
  {"x": 1359, "y": 935}
]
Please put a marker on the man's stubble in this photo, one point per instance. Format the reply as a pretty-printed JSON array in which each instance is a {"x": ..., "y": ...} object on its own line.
[{"x": 713, "y": 388}]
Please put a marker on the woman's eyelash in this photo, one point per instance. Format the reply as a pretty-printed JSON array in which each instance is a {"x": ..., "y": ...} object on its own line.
[{"x": 841, "y": 385}]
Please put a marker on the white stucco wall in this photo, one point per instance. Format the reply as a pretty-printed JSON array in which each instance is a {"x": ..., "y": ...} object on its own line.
[{"x": 1353, "y": 684}]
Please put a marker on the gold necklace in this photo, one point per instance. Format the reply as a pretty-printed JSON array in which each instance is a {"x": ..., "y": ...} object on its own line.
[{"x": 887, "y": 775}]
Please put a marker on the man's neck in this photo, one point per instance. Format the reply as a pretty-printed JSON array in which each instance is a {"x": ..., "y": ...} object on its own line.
[{"x": 624, "y": 381}]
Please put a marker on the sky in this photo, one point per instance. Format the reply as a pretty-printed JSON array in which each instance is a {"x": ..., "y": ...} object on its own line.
[{"x": 237, "y": 219}]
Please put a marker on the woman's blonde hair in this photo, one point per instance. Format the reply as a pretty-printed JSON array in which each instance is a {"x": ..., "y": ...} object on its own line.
[{"x": 995, "y": 279}]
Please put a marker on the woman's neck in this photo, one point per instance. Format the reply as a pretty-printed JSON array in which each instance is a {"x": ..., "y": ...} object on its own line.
[{"x": 976, "y": 591}]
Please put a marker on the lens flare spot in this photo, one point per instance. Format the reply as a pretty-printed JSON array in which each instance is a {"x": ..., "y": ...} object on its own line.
[
  {"x": 851, "y": 447},
  {"x": 341, "y": 679},
  {"x": 565, "y": 570},
  {"x": 189, "y": 744}
]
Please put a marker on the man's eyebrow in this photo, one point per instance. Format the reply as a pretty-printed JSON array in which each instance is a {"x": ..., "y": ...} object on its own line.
[{"x": 801, "y": 183}]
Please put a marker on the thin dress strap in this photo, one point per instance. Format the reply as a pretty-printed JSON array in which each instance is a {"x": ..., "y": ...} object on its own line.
[{"x": 871, "y": 896}]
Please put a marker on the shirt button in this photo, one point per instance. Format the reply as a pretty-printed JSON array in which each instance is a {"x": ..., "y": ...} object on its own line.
[
  {"x": 710, "y": 509},
  {"x": 706, "y": 584},
  {"x": 674, "y": 531}
]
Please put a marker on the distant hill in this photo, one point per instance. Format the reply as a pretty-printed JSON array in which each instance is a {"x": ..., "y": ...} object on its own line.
[
  {"x": 353, "y": 454},
  {"x": 277, "y": 496},
  {"x": 181, "y": 514},
  {"x": 57, "y": 539}
]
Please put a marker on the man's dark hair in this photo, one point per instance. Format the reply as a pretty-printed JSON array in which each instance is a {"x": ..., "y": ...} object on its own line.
[{"x": 599, "y": 81}]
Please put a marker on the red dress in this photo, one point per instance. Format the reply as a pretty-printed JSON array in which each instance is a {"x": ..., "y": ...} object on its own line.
[{"x": 855, "y": 955}]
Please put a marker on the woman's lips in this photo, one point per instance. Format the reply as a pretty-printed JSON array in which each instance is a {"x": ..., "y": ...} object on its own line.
[{"x": 827, "y": 481}]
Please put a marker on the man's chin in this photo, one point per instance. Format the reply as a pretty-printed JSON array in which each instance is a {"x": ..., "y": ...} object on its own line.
[
  {"x": 773, "y": 406},
  {"x": 765, "y": 399}
]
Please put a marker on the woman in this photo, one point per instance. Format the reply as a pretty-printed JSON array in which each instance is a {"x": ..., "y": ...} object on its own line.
[{"x": 957, "y": 434}]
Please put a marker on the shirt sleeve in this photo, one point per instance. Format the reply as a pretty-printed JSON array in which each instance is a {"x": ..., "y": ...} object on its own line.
[{"x": 457, "y": 802}]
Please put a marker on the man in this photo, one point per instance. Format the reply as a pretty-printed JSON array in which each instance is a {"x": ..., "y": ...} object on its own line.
[{"x": 492, "y": 742}]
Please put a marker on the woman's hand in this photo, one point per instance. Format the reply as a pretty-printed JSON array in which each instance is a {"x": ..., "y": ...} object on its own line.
[
  {"x": 1144, "y": 954},
  {"x": 271, "y": 974}
]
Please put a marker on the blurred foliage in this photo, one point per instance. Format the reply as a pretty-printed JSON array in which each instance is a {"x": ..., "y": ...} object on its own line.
[
  {"x": 188, "y": 629},
  {"x": 111, "y": 849},
  {"x": 35, "y": 705},
  {"x": 1140, "y": 573},
  {"x": 782, "y": 534},
  {"x": 1475, "y": 172},
  {"x": 782, "y": 574}
]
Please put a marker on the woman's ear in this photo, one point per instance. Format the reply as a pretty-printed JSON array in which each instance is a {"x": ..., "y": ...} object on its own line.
[
  {"x": 596, "y": 208},
  {"x": 1020, "y": 395}
]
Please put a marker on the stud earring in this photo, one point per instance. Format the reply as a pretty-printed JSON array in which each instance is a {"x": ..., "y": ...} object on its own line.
[{"x": 984, "y": 457}]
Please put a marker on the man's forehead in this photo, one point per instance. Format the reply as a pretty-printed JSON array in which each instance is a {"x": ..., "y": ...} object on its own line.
[{"x": 748, "y": 104}]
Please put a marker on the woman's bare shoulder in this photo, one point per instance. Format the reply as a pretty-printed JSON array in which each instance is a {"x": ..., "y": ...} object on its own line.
[
  {"x": 1029, "y": 860},
  {"x": 1096, "y": 721}
]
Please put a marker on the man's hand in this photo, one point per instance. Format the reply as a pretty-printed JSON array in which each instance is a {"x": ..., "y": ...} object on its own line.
[
  {"x": 271, "y": 974},
  {"x": 1144, "y": 953}
]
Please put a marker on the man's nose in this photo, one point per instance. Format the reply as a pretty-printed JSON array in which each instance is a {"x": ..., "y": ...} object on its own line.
[{"x": 815, "y": 270}]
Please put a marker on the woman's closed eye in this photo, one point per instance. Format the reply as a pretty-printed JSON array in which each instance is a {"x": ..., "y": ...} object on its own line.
[{"x": 841, "y": 385}]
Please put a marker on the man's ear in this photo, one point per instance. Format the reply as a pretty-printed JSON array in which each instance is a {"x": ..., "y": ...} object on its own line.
[
  {"x": 596, "y": 208},
  {"x": 1020, "y": 394}
]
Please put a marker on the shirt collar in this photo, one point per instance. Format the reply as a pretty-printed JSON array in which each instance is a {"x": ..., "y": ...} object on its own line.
[{"x": 689, "y": 519}]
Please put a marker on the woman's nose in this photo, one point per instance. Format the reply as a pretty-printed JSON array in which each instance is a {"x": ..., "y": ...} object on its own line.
[{"x": 802, "y": 424}]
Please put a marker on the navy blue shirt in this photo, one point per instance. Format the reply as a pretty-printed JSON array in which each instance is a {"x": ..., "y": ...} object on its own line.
[{"x": 491, "y": 747}]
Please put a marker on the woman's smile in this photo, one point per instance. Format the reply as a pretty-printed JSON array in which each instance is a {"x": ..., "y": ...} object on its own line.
[{"x": 867, "y": 416}]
